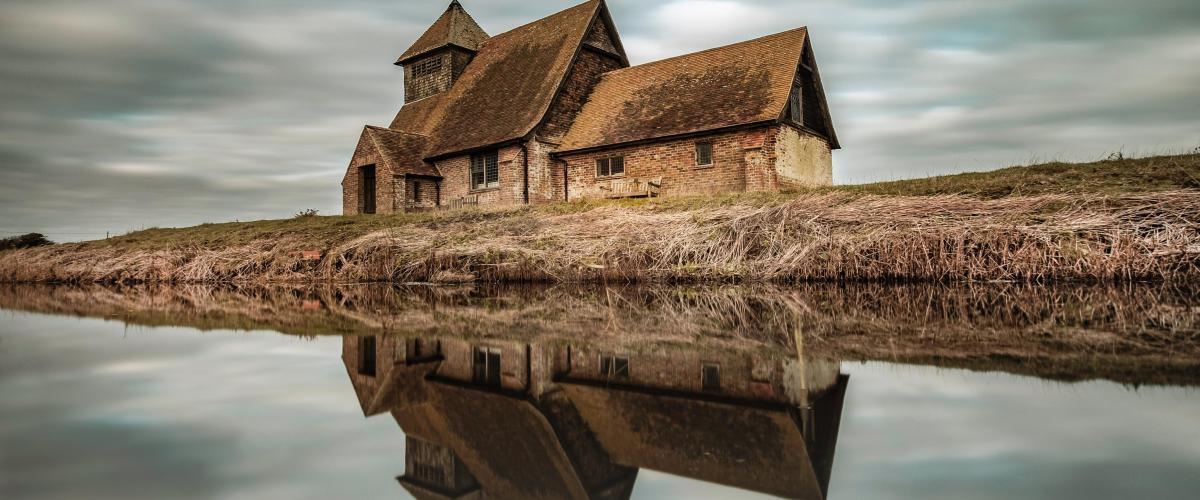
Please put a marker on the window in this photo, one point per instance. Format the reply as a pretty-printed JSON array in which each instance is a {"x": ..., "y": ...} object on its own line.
[
  {"x": 710, "y": 377},
  {"x": 366, "y": 356},
  {"x": 416, "y": 194},
  {"x": 614, "y": 367},
  {"x": 794, "y": 103},
  {"x": 485, "y": 170},
  {"x": 610, "y": 167},
  {"x": 486, "y": 366},
  {"x": 427, "y": 67},
  {"x": 704, "y": 154}
]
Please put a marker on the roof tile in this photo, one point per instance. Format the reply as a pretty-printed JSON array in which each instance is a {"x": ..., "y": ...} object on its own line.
[
  {"x": 454, "y": 27},
  {"x": 507, "y": 89},
  {"x": 739, "y": 84}
]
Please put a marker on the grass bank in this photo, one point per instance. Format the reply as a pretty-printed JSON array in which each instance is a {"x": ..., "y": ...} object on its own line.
[{"x": 1135, "y": 219}]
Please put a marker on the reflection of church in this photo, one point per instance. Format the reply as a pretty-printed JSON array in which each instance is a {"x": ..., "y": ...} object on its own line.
[{"x": 562, "y": 419}]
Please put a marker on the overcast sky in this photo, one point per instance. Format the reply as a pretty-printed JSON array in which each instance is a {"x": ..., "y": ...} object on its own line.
[{"x": 123, "y": 114}]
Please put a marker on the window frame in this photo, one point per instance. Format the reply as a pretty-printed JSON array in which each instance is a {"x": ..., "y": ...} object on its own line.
[
  {"x": 614, "y": 367},
  {"x": 711, "y": 153},
  {"x": 479, "y": 165},
  {"x": 707, "y": 383},
  {"x": 607, "y": 172},
  {"x": 489, "y": 372}
]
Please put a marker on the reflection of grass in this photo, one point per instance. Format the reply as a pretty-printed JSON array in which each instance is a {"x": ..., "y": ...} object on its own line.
[
  {"x": 1133, "y": 333},
  {"x": 1121, "y": 219}
]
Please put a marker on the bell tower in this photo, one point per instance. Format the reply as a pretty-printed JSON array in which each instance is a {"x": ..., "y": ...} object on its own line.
[{"x": 440, "y": 55}]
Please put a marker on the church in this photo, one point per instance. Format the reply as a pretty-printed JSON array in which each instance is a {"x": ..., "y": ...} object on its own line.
[{"x": 552, "y": 111}]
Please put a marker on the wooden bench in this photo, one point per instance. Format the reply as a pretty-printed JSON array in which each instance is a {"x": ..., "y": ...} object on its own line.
[
  {"x": 466, "y": 201},
  {"x": 633, "y": 188}
]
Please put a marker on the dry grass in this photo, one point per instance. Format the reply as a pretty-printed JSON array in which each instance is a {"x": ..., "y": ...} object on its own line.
[{"x": 831, "y": 234}]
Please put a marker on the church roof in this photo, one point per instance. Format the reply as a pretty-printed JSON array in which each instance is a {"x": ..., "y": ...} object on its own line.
[
  {"x": 455, "y": 27},
  {"x": 739, "y": 84},
  {"x": 405, "y": 151},
  {"x": 510, "y": 84},
  {"x": 751, "y": 447}
]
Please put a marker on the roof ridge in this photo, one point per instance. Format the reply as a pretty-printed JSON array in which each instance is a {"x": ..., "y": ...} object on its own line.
[
  {"x": 394, "y": 131},
  {"x": 531, "y": 23},
  {"x": 713, "y": 49},
  {"x": 454, "y": 27}
]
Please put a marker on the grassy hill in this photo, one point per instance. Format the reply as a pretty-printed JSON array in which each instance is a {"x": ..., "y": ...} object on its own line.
[{"x": 1120, "y": 219}]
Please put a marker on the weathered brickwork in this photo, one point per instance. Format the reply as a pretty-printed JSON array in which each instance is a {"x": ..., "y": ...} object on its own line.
[
  {"x": 367, "y": 155},
  {"x": 674, "y": 162},
  {"x": 599, "y": 37},
  {"x": 420, "y": 193},
  {"x": 802, "y": 159},
  {"x": 765, "y": 377},
  {"x": 458, "y": 361},
  {"x": 456, "y": 179},
  {"x": 428, "y": 76},
  {"x": 551, "y": 113},
  {"x": 762, "y": 159},
  {"x": 584, "y": 76}
]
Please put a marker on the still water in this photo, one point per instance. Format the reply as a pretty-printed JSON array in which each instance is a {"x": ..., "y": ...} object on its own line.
[{"x": 614, "y": 393}]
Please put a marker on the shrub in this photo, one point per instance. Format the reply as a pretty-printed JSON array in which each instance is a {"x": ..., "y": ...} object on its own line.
[
  {"x": 25, "y": 241},
  {"x": 310, "y": 212}
]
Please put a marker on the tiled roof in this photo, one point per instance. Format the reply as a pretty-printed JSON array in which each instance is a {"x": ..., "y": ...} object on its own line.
[
  {"x": 454, "y": 27},
  {"x": 509, "y": 85},
  {"x": 739, "y": 84},
  {"x": 420, "y": 117},
  {"x": 753, "y": 448},
  {"x": 405, "y": 151}
]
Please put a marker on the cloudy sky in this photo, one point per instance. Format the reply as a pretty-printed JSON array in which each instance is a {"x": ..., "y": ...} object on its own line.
[{"x": 123, "y": 114}]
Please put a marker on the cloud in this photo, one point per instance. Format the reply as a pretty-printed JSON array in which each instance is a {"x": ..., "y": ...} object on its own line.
[{"x": 140, "y": 113}]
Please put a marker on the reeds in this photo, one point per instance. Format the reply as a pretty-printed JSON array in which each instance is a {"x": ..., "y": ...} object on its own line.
[{"x": 816, "y": 237}]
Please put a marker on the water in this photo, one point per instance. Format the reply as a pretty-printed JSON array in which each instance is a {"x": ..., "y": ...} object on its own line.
[{"x": 866, "y": 392}]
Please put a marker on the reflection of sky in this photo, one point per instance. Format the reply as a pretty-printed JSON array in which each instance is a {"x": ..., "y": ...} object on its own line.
[
  {"x": 93, "y": 409},
  {"x": 915, "y": 432}
]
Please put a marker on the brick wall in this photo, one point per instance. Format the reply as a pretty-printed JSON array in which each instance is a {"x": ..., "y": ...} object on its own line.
[
  {"x": 759, "y": 376},
  {"x": 545, "y": 174},
  {"x": 581, "y": 80},
  {"x": 458, "y": 361},
  {"x": 388, "y": 351},
  {"x": 456, "y": 179},
  {"x": 364, "y": 155},
  {"x": 673, "y": 161},
  {"x": 428, "y": 76},
  {"x": 424, "y": 198},
  {"x": 761, "y": 159}
]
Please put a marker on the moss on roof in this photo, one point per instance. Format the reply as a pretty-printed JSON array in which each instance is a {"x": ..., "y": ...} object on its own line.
[{"x": 738, "y": 84}]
